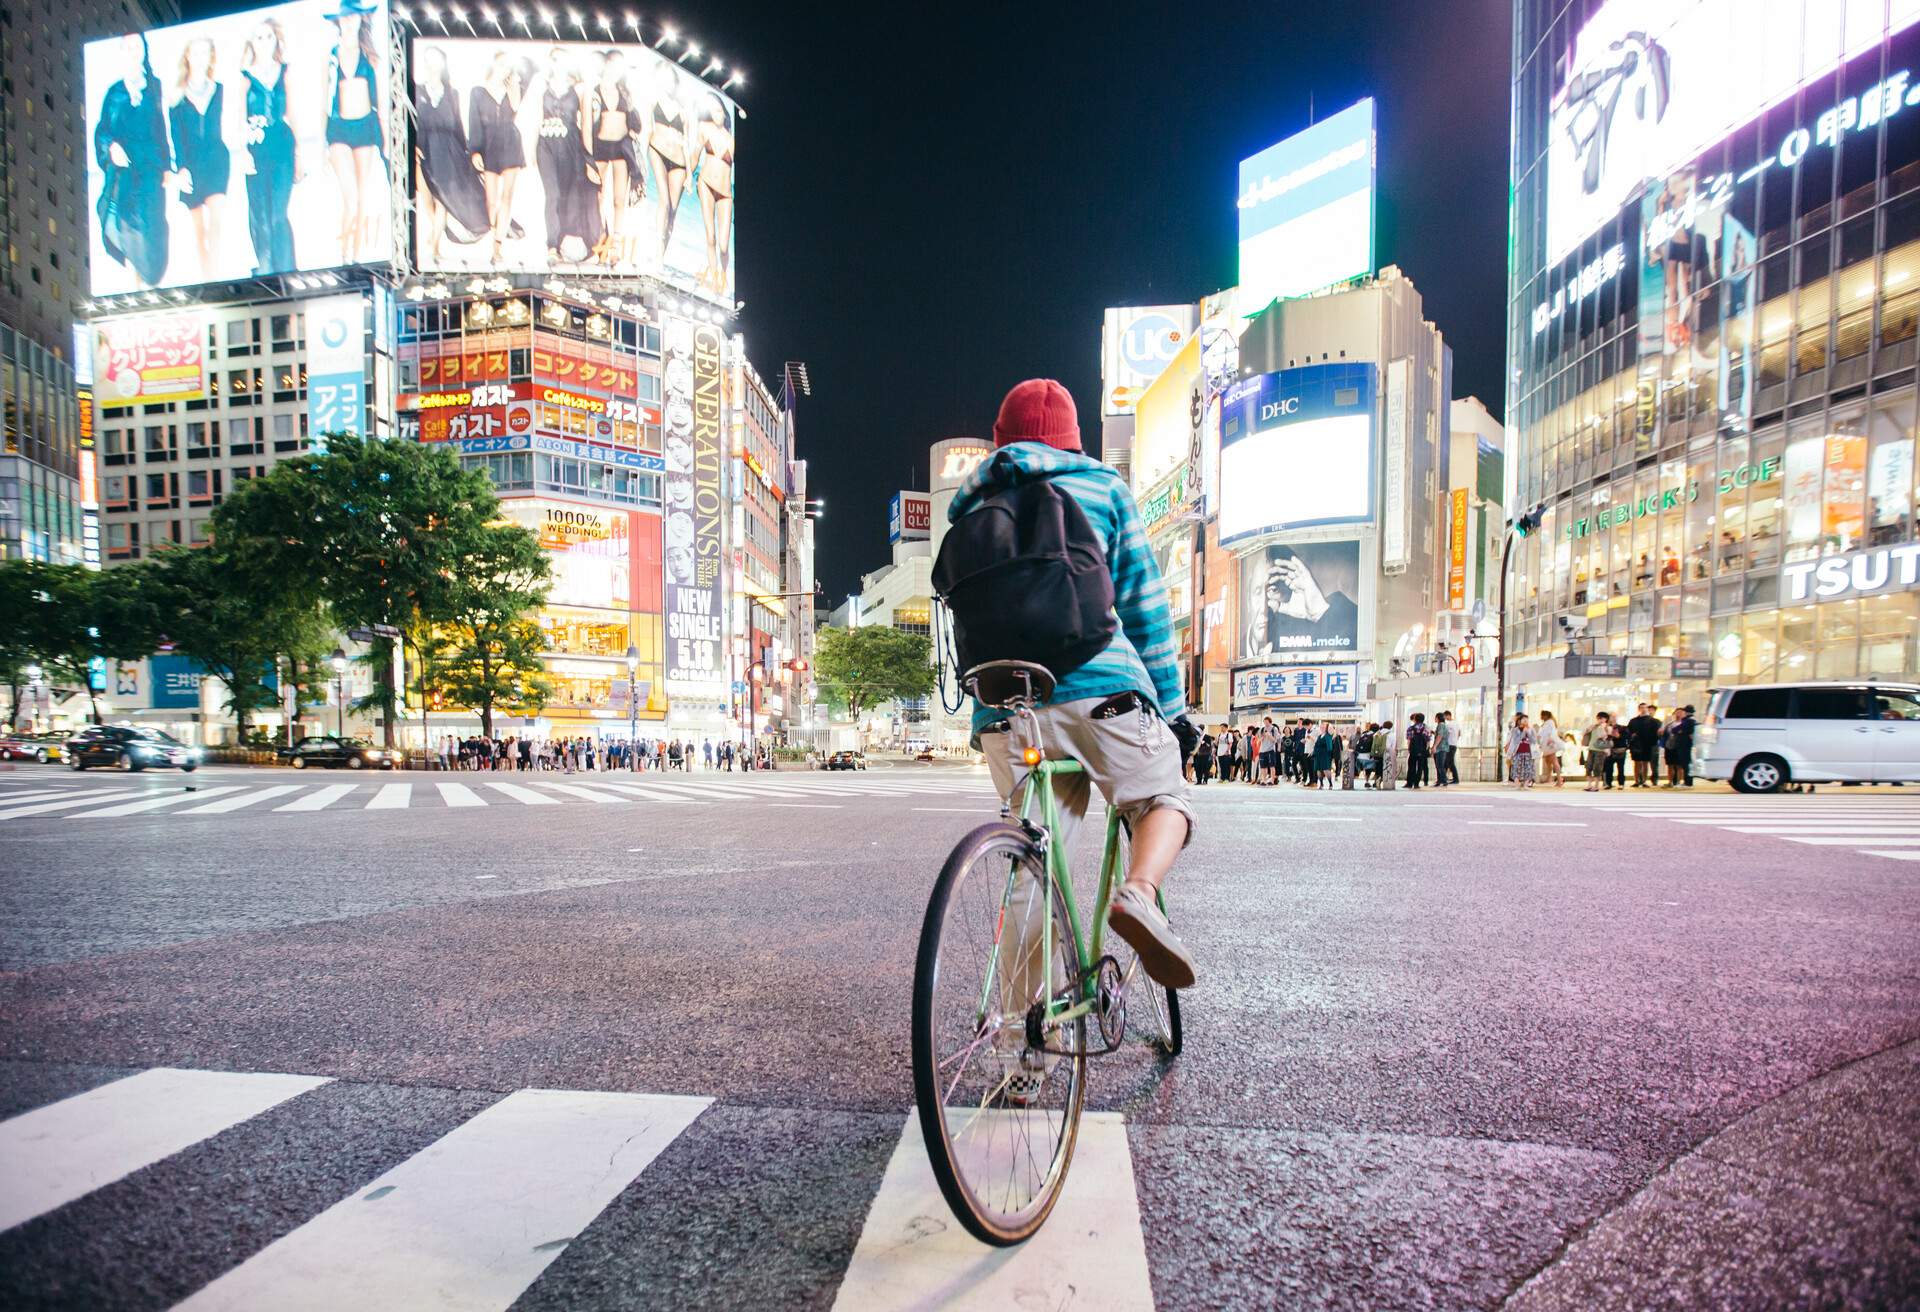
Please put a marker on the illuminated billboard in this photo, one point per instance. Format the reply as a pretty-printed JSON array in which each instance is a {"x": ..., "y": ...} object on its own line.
[
  {"x": 1296, "y": 449},
  {"x": 541, "y": 155},
  {"x": 151, "y": 358},
  {"x": 1651, "y": 84},
  {"x": 1306, "y": 209},
  {"x": 1163, "y": 419},
  {"x": 1137, "y": 342},
  {"x": 238, "y": 147},
  {"x": 692, "y": 552},
  {"x": 1303, "y": 598}
]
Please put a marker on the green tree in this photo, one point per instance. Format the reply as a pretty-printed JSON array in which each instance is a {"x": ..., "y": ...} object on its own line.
[
  {"x": 863, "y": 667},
  {"x": 238, "y": 635},
  {"x": 16, "y": 652},
  {"x": 379, "y": 532},
  {"x": 488, "y": 651},
  {"x": 70, "y": 615}
]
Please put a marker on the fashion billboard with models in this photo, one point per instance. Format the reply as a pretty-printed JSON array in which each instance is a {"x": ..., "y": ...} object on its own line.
[
  {"x": 238, "y": 147},
  {"x": 534, "y": 156}
]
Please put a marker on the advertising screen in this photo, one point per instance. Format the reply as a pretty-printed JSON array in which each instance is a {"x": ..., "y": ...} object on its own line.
[
  {"x": 588, "y": 547},
  {"x": 1303, "y": 598},
  {"x": 1163, "y": 419},
  {"x": 1650, "y": 84},
  {"x": 540, "y": 155},
  {"x": 692, "y": 554},
  {"x": 1306, "y": 209},
  {"x": 238, "y": 147},
  {"x": 159, "y": 357},
  {"x": 1137, "y": 342},
  {"x": 1296, "y": 449}
]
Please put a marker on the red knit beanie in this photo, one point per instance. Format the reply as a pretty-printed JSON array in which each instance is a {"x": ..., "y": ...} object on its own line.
[{"x": 1038, "y": 410}]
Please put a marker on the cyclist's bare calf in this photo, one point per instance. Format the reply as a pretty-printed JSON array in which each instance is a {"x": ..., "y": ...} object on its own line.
[{"x": 1158, "y": 837}]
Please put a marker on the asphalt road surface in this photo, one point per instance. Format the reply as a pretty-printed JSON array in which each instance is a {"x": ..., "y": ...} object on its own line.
[{"x": 480, "y": 1041}]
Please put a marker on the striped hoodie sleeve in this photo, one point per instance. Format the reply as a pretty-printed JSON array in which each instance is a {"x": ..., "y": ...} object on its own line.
[{"x": 1140, "y": 600}]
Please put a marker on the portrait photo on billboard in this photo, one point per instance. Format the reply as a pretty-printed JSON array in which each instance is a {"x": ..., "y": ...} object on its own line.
[
  {"x": 533, "y": 156},
  {"x": 1300, "y": 598},
  {"x": 238, "y": 147}
]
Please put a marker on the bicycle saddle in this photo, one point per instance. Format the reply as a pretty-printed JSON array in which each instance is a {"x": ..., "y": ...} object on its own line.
[{"x": 1000, "y": 683}]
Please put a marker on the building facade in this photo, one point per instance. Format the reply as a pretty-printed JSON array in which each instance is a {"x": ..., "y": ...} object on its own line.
[{"x": 1711, "y": 327}]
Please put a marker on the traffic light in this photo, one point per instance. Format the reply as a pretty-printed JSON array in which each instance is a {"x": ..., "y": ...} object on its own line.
[{"x": 1527, "y": 523}]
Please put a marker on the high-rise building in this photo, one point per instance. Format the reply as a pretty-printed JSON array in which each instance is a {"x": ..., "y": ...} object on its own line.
[
  {"x": 43, "y": 226},
  {"x": 1713, "y": 304}
]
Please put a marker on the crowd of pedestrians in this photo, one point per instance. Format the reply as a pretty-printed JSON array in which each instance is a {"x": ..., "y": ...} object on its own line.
[
  {"x": 1327, "y": 754},
  {"x": 1534, "y": 751},
  {"x": 572, "y": 755}
]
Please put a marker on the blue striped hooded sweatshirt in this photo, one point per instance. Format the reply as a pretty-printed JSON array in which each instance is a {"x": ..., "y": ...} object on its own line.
[{"x": 1142, "y": 657}]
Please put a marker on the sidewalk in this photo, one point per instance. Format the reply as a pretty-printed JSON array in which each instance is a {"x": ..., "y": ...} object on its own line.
[{"x": 1810, "y": 1200}]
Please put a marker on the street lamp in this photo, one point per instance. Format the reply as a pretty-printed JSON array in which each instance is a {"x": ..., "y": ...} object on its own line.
[
  {"x": 340, "y": 686},
  {"x": 633, "y": 707},
  {"x": 1519, "y": 528}
]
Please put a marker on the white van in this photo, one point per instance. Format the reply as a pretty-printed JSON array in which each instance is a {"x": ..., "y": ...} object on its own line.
[{"x": 1765, "y": 736}]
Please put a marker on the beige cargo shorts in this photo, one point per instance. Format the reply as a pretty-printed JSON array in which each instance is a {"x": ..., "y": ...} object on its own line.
[{"x": 1133, "y": 758}]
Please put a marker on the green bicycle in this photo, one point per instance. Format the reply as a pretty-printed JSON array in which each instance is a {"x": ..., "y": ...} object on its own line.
[{"x": 1006, "y": 984}]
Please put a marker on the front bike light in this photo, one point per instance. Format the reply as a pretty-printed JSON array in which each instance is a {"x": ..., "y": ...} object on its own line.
[{"x": 1030, "y": 755}]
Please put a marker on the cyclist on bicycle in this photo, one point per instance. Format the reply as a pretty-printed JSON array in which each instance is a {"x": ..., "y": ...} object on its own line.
[{"x": 1122, "y": 714}]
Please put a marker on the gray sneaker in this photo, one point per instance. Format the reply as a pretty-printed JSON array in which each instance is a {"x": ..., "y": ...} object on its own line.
[{"x": 1135, "y": 918}]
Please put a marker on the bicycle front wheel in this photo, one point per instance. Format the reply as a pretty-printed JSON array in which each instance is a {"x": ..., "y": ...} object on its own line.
[{"x": 999, "y": 1113}]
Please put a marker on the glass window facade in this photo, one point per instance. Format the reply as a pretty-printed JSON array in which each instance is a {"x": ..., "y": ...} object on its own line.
[{"x": 1717, "y": 382}]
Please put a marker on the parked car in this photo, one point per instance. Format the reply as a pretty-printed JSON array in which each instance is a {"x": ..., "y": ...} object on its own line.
[
  {"x": 1762, "y": 737},
  {"x": 16, "y": 747},
  {"x": 41, "y": 747},
  {"x": 846, "y": 761},
  {"x": 926, "y": 756},
  {"x": 126, "y": 747},
  {"x": 334, "y": 752}
]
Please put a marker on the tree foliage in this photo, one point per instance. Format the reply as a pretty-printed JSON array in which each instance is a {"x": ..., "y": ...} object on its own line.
[
  {"x": 863, "y": 667},
  {"x": 65, "y": 616},
  {"x": 486, "y": 650}
]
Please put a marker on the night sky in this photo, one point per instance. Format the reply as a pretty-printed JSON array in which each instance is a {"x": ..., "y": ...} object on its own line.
[{"x": 938, "y": 202}]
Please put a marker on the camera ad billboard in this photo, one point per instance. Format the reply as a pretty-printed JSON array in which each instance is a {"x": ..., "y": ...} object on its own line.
[
  {"x": 543, "y": 156},
  {"x": 1306, "y": 209},
  {"x": 238, "y": 147},
  {"x": 1296, "y": 449},
  {"x": 1137, "y": 343},
  {"x": 692, "y": 551},
  {"x": 1300, "y": 599},
  {"x": 1650, "y": 85}
]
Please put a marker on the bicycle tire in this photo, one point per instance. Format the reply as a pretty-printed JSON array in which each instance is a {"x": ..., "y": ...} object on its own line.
[{"x": 1000, "y": 1230}]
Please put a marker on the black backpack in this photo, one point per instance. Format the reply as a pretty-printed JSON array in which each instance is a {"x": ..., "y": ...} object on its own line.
[{"x": 1025, "y": 578}]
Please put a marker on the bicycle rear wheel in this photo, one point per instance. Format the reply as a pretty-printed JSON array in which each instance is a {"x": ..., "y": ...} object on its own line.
[{"x": 999, "y": 1115}]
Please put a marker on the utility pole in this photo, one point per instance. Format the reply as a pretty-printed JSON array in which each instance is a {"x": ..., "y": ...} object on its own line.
[{"x": 1516, "y": 529}]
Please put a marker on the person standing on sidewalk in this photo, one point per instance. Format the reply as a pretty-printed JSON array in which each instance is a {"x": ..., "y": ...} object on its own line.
[
  {"x": 1546, "y": 737},
  {"x": 1599, "y": 745},
  {"x": 1446, "y": 758},
  {"x": 1522, "y": 756},
  {"x": 1678, "y": 741},
  {"x": 1419, "y": 748},
  {"x": 1643, "y": 739}
]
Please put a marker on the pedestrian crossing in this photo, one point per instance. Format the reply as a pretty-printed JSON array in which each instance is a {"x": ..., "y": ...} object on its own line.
[
  {"x": 475, "y": 1218},
  {"x": 86, "y": 800},
  {"x": 1878, "y": 822}
]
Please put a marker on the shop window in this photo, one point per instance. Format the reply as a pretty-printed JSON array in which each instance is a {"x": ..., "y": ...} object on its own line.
[
  {"x": 1799, "y": 641},
  {"x": 1839, "y": 653},
  {"x": 1887, "y": 631},
  {"x": 1760, "y": 647},
  {"x": 1815, "y": 315},
  {"x": 1900, "y": 292},
  {"x": 282, "y": 329}
]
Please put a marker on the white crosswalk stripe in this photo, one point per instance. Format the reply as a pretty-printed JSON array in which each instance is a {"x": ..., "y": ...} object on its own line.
[
  {"x": 473, "y": 1219},
  {"x": 808, "y": 790},
  {"x": 1090, "y": 1253},
  {"x": 1877, "y": 823},
  {"x": 58, "y": 1153},
  {"x": 470, "y": 1221}
]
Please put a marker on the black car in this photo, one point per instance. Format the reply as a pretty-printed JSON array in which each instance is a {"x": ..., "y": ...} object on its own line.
[
  {"x": 846, "y": 761},
  {"x": 334, "y": 752},
  {"x": 128, "y": 748}
]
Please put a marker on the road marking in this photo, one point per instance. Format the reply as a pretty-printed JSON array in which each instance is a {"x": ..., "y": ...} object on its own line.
[
  {"x": 1447, "y": 806},
  {"x": 68, "y": 1149},
  {"x": 1534, "y": 824},
  {"x": 459, "y": 795},
  {"x": 391, "y": 797},
  {"x": 527, "y": 795},
  {"x": 155, "y": 803},
  {"x": 1891, "y": 856},
  {"x": 244, "y": 800},
  {"x": 575, "y": 790},
  {"x": 810, "y": 806},
  {"x": 649, "y": 794},
  {"x": 967, "y": 810},
  {"x": 38, "y": 808},
  {"x": 1855, "y": 840},
  {"x": 471, "y": 1220},
  {"x": 1822, "y": 829},
  {"x": 15, "y": 798},
  {"x": 1090, "y": 1253},
  {"x": 318, "y": 801}
]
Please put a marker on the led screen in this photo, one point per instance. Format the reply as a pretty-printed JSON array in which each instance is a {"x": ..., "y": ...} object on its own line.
[
  {"x": 238, "y": 147},
  {"x": 1306, "y": 209},
  {"x": 536, "y": 156},
  {"x": 1296, "y": 449},
  {"x": 1650, "y": 84}
]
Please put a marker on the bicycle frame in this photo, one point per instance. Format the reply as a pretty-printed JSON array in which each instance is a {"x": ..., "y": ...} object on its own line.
[{"x": 1039, "y": 783}]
